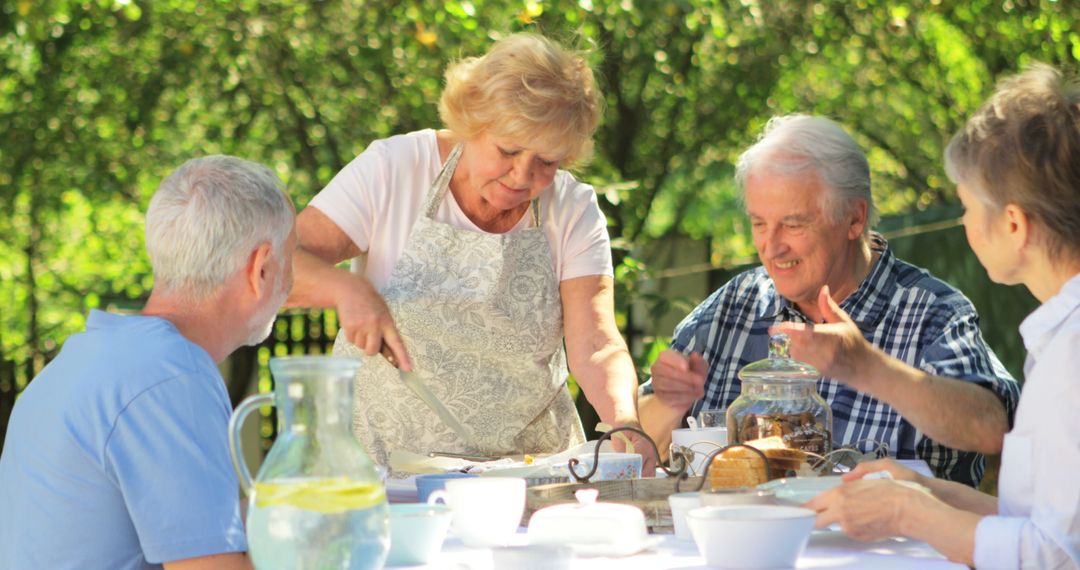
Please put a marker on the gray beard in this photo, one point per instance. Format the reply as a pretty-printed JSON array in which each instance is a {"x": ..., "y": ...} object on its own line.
[
  {"x": 261, "y": 324},
  {"x": 259, "y": 335}
]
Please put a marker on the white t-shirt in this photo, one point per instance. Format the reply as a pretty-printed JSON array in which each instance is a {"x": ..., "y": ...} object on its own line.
[{"x": 378, "y": 197}]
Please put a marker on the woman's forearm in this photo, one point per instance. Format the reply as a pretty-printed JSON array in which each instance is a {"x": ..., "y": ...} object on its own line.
[
  {"x": 596, "y": 351},
  {"x": 315, "y": 281},
  {"x": 609, "y": 381},
  {"x": 949, "y": 530},
  {"x": 960, "y": 496}
]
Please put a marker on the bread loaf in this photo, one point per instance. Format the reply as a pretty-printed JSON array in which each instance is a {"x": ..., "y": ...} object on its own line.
[
  {"x": 732, "y": 472},
  {"x": 741, "y": 467}
]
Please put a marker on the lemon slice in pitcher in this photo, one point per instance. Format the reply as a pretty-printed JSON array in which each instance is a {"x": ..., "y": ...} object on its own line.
[{"x": 334, "y": 495}]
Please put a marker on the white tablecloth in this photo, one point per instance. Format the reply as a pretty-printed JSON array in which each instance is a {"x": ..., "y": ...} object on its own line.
[{"x": 827, "y": 549}]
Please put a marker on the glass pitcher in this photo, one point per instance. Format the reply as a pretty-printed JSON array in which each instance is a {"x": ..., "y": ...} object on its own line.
[
  {"x": 317, "y": 501},
  {"x": 780, "y": 398}
]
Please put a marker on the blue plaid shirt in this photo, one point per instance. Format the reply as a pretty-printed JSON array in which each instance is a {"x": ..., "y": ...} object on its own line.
[{"x": 900, "y": 308}]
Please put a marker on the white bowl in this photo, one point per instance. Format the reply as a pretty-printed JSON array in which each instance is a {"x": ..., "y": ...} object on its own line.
[{"x": 751, "y": 536}]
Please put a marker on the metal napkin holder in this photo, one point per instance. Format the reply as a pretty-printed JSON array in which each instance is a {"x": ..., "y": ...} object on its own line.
[{"x": 679, "y": 460}]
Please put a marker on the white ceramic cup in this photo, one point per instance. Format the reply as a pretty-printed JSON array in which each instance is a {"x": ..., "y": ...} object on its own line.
[
  {"x": 681, "y": 503},
  {"x": 486, "y": 510},
  {"x": 417, "y": 531},
  {"x": 701, "y": 442}
]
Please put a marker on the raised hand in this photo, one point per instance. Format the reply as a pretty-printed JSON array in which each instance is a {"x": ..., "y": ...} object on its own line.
[
  {"x": 677, "y": 380},
  {"x": 837, "y": 348}
]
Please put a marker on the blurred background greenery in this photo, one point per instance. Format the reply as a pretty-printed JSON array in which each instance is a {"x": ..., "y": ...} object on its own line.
[{"x": 99, "y": 99}]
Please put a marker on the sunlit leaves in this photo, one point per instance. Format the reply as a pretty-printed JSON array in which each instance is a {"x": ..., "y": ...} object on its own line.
[{"x": 99, "y": 99}]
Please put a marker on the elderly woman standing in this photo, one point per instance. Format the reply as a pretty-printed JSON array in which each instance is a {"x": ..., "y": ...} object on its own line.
[
  {"x": 1017, "y": 169},
  {"x": 474, "y": 255}
]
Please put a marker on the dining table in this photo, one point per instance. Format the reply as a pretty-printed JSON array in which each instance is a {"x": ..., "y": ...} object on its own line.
[{"x": 826, "y": 548}]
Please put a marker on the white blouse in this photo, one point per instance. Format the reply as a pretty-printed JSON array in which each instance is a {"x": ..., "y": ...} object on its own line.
[{"x": 1038, "y": 520}]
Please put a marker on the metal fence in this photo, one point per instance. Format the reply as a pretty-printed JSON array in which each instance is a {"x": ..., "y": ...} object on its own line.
[
  {"x": 313, "y": 332},
  {"x": 295, "y": 332}
]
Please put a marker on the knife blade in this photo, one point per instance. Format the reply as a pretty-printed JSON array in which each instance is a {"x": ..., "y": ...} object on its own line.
[
  {"x": 418, "y": 387},
  {"x": 465, "y": 456},
  {"x": 413, "y": 381}
]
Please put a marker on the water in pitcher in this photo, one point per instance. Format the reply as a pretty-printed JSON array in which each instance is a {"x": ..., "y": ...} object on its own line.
[
  {"x": 303, "y": 524},
  {"x": 318, "y": 502}
]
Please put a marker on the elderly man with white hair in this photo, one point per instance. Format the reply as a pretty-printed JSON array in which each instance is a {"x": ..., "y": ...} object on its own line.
[
  {"x": 806, "y": 188},
  {"x": 116, "y": 454}
]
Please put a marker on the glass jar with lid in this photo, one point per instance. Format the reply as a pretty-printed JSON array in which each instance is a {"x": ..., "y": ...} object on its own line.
[{"x": 779, "y": 398}]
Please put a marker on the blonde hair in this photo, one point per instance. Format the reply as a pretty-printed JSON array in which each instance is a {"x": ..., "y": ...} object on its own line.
[
  {"x": 526, "y": 88},
  {"x": 1022, "y": 147}
]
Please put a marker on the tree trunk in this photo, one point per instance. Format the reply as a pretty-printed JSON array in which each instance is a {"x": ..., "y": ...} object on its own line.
[{"x": 7, "y": 396}]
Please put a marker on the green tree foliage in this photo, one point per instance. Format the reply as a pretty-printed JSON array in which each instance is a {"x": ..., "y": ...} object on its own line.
[{"x": 100, "y": 98}]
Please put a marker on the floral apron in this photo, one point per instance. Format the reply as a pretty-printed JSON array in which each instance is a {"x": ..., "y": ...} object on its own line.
[{"x": 481, "y": 317}]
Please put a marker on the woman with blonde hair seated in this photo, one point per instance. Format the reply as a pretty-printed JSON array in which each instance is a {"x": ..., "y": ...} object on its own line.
[
  {"x": 1017, "y": 168},
  {"x": 474, "y": 255}
]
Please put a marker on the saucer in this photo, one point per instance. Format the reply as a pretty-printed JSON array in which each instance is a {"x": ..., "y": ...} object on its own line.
[
  {"x": 616, "y": 549},
  {"x": 798, "y": 490}
]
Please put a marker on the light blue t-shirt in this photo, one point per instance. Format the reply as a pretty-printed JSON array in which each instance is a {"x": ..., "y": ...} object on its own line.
[{"x": 117, "y": 455}]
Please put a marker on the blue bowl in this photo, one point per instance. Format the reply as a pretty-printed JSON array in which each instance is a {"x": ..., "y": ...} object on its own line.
[{"x": 428, "y": 484}]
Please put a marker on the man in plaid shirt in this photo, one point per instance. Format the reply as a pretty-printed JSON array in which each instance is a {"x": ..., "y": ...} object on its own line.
[{"x": 806, "y": 186}]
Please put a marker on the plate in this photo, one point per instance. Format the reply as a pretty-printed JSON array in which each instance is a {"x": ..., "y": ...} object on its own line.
[
  {"x": 616, "y": 549},
  {"x": 798, "y": 490}
]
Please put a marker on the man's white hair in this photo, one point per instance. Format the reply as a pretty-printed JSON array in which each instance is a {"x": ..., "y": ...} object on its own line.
[
  {"x": 208, "y": 216},
  {"x": 797, "y": 143}
]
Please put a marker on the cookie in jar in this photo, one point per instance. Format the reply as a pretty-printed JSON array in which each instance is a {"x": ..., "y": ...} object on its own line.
[{"x": 780, "y": 399}]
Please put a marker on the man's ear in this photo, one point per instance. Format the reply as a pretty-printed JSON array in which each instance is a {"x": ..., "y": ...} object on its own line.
[
  {"x": 857, "y": 219},
  {"x": 256, "y": 270}
]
